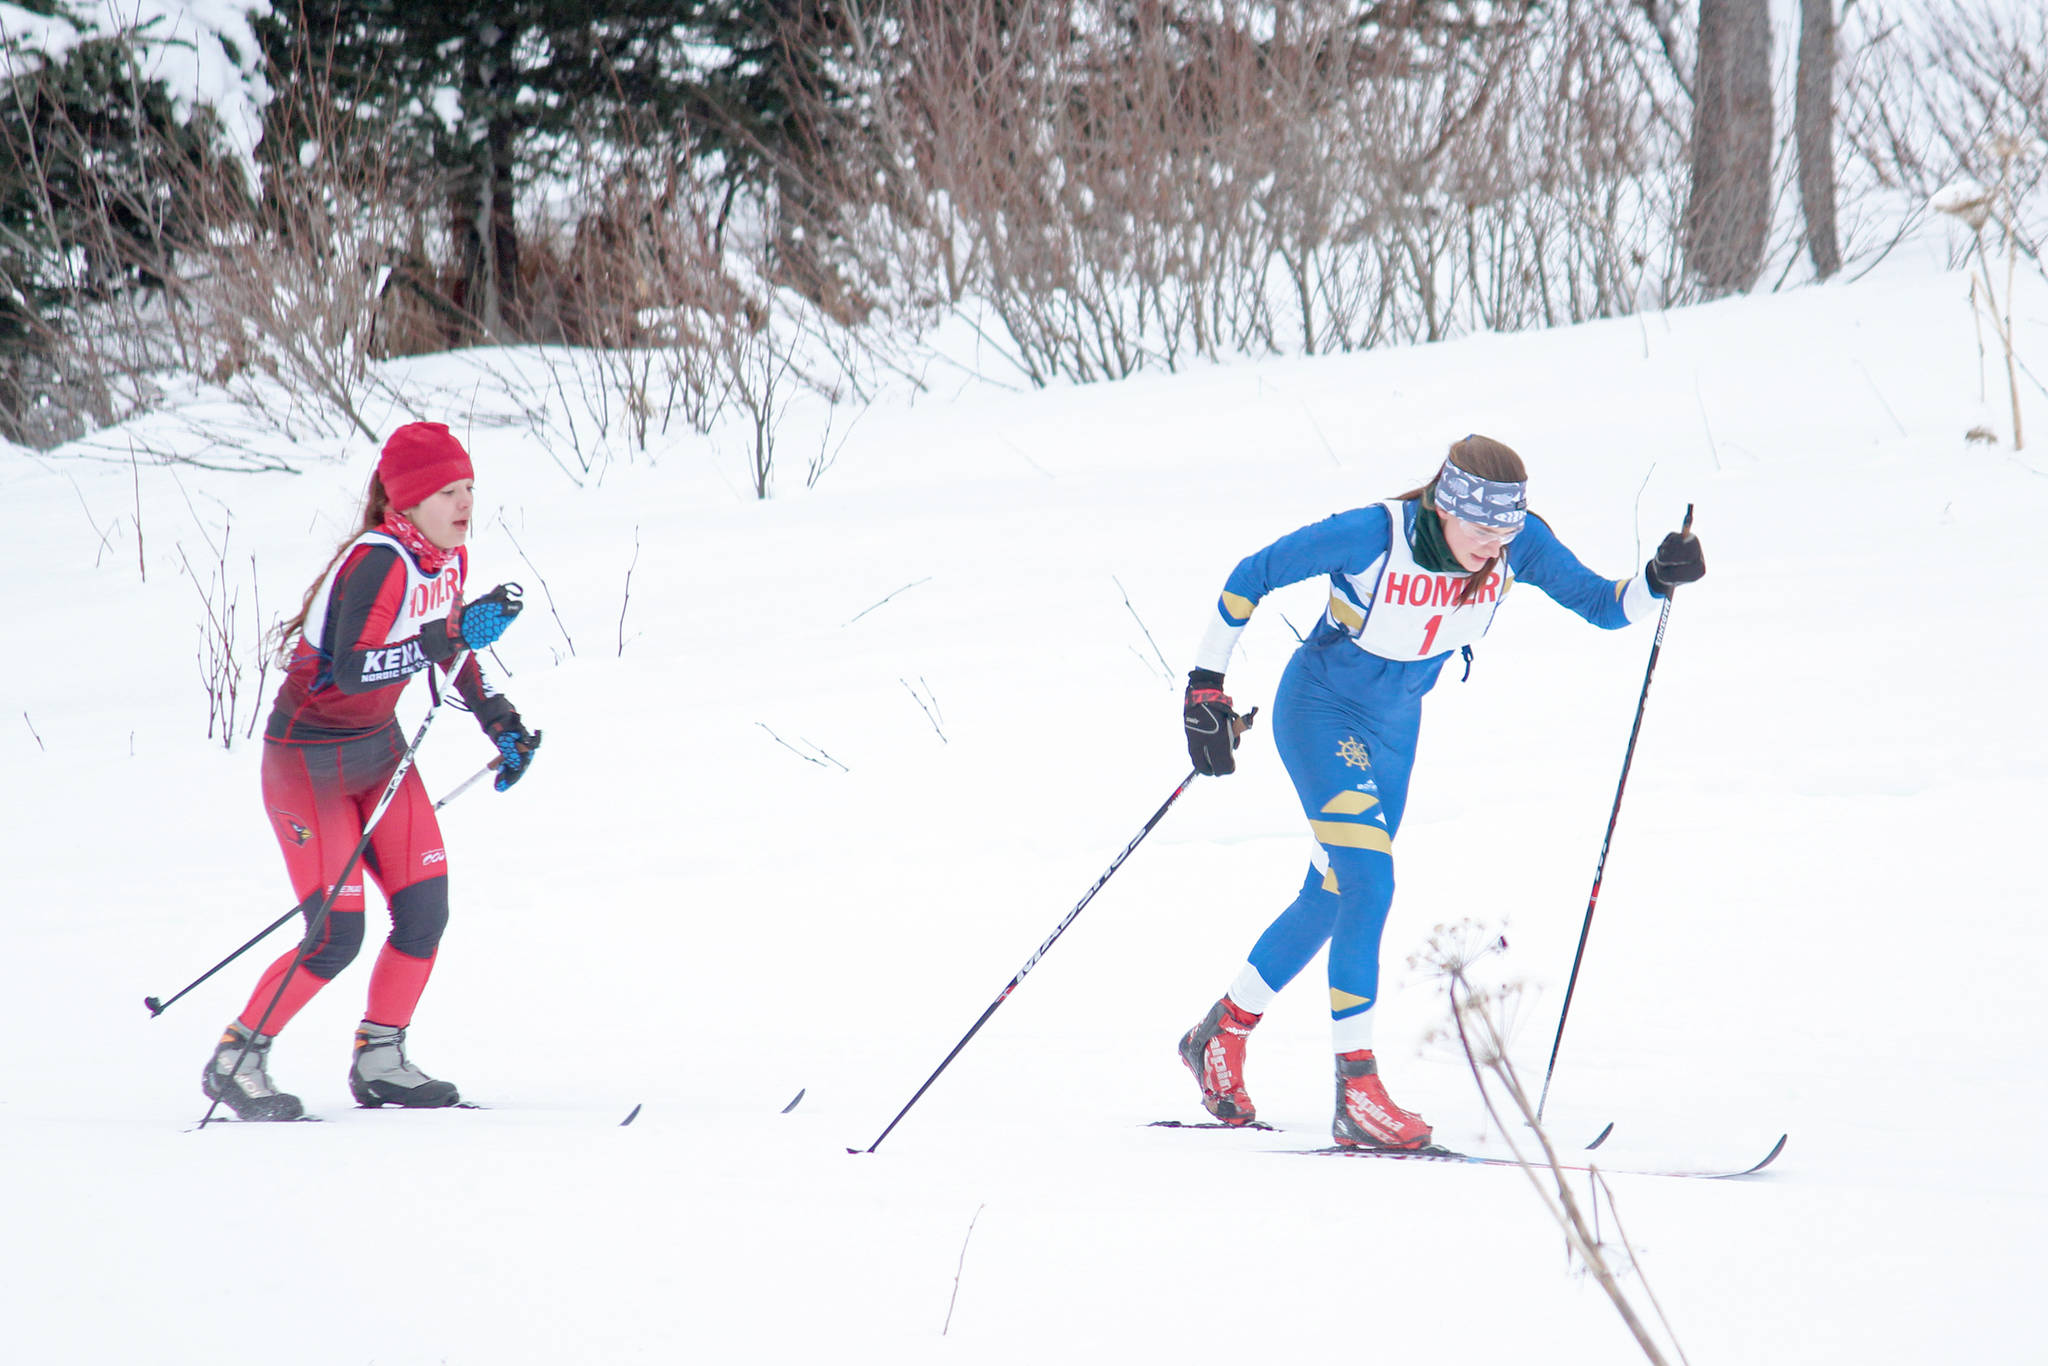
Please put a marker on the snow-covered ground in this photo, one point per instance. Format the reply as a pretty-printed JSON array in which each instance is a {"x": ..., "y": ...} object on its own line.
[{"x": 1822, "y": 912}]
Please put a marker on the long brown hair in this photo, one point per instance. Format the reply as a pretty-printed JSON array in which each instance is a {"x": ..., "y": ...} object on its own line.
[
  {"x": 1489, "y": 459},
  {"x": 376, "y": 504}
]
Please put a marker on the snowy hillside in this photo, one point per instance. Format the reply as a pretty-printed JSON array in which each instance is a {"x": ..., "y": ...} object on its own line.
[{"x": 1821, "y": 913}]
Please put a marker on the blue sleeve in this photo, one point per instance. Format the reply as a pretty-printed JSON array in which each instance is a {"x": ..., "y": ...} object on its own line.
[
  {"x": 1349, "y": 542},
  {"x": 1346, "y": 543},
  {"x": 1538, "y": 557}
]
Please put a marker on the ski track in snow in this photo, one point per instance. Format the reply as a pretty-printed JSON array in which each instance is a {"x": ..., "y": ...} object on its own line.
[{"x": 1821, "y": 912}]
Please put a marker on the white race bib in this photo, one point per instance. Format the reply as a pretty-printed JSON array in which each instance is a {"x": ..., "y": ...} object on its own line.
[
  {"x": 1414, "y": 613},
  {"x": 427, "y": 598}
]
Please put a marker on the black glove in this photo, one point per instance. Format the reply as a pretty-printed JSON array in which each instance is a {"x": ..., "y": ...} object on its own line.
[
  {"x": 1678, "y": 560},
  {"x": 515, "y": 743},
  {"x": 1212, "y": 726},
  {"x": 473, "y": 627}
]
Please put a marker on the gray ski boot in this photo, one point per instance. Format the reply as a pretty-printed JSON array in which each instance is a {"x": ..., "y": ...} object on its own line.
[
  {"x": 246, "y": 1088},
  {"x": 381, "y": 1075}
]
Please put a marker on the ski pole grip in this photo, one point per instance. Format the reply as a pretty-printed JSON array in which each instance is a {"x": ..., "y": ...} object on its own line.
[{"x": 1240, "y": 724}]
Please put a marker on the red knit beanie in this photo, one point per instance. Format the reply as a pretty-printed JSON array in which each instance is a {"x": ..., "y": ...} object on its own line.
[{"x": 420, "y": 460}]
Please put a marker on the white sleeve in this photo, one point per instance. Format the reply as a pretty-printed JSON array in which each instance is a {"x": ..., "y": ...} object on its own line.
[
  {"x": 1638, "y": 602},
  {"x": 1218, "y": 643}
]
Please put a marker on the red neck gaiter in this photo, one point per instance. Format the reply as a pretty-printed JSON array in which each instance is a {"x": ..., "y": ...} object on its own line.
[{"x": 432, "y": 559}]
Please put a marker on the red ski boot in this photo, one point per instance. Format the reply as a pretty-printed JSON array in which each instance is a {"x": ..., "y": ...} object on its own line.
[
  {"x": 1366, "y": 1116},
  {"x": 1214, "y": 1052}
]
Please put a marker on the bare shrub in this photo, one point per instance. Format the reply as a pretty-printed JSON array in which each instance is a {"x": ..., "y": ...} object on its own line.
[
  {"x": 660, "y": 281},
  {"x": 1930, "y": 96},
  {"x": 649, "y": 286},
  {"x": 1106, "y": 188},
  {"x": 228, "y": 640},
  {"x": 762, "y": 380}
]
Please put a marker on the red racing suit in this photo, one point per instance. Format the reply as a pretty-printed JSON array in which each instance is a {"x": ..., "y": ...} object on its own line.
[{"x": 329, "y": 749}]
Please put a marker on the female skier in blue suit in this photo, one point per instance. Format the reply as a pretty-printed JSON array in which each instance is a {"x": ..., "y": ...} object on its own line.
[{"x": 1412, "y": 582}]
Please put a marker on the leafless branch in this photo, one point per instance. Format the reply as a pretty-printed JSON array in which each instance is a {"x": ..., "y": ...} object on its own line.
[
  {"x": 865, "y": 610},
  {"x": 819, "y": 757},
  {"x": 546, "y": 592},
  {"x": 960, "y": 1266},
  {"x": 627, "y": 599},
  {"x": 1165, "y": 669},
  {"x": 135, "y": 479},
  {"x": 927, "y": 704},
  {"x": 102, "y": 535}
]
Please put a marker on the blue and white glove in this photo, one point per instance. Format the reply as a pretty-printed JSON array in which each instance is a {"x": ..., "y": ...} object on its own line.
[
  {"x": 480, "y": 623},
  {"x": 473, "y": 627},
  {"x": 516, "y": 745}
]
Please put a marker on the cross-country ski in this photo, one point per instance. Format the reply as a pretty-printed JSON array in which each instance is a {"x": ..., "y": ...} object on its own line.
[{"x": 1621, "y": 1166}]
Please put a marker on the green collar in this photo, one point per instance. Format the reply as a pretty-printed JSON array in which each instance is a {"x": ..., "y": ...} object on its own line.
[{"x": 1432, "y": 552}]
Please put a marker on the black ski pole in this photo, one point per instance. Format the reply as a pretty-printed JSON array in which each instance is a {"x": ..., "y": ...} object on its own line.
[
  {"x": 318, "y": 918},
  {"x": 157, "y": 1006},
  {"x": 1607, "y": 840},
  {"x": 1032, "y": 962}
]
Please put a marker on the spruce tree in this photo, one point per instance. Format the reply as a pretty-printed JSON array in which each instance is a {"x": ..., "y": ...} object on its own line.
[
  {"x": 483, "y": 98},
  {"x": 480, "y": 98},
  {"x": 100, "y": 180}
]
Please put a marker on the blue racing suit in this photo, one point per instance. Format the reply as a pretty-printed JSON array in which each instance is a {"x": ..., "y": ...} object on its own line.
[{"x": 1349, "y": 708}]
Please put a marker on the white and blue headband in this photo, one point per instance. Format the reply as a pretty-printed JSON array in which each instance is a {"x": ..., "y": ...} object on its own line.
[{"x": 1484, "y": 502}]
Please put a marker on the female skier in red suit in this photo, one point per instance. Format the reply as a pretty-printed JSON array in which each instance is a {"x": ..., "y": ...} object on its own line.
[{"x": 388, "y": 607}]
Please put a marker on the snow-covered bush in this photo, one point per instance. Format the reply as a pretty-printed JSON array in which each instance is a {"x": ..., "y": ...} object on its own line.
[{"x": 109, "y": 144}]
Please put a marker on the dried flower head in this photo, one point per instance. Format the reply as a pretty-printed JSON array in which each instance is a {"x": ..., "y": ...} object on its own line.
[{"x": 1966, "y": 199}]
